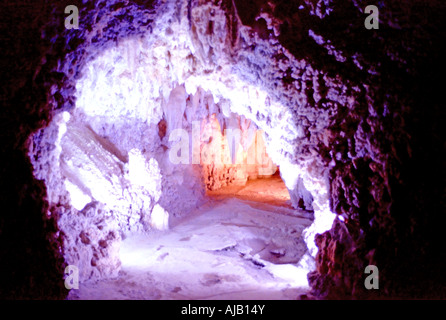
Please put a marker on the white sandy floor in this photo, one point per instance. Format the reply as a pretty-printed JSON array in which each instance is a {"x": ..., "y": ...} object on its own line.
[{"x": 229, "y": 249}]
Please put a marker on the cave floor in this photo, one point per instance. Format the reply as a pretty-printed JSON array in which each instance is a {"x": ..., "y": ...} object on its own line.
[
  {"x": 228, "y": 249},
  {"x": 270, "y": 190}
]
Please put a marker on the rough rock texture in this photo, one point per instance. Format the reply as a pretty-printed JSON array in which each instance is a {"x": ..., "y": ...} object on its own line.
[
  {"x": 91, "y": 240},
  {"x": 350, "y": 115},
  {"x": 83, "y": 171}
]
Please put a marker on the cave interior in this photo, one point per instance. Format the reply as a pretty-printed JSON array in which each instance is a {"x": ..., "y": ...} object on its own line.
[{"x": 222, "y": 150}]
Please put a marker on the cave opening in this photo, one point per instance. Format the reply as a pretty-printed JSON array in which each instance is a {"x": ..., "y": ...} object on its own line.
[
  {"x": 171, "y": 161},
  {"x": 265, "y": 189},
  {"x": 208, "y": 191},
  {"x": 176, "y": 187}
]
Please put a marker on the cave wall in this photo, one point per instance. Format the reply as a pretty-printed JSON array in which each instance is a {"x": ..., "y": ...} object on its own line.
[
  {"x": 371, "y": 85},
  {"x": 361, "y": 130}
]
